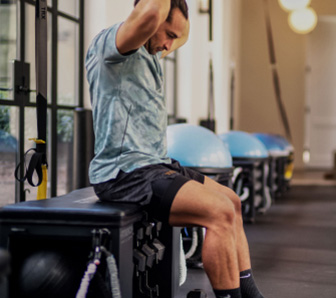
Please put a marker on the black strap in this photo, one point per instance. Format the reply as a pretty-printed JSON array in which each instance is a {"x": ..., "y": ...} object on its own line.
[
  {"x": 39, "y": 158},
  {"x": 276, "y": 80},
  {"x": 41, "y": 69},
  {"x": 35, "y": 165}
]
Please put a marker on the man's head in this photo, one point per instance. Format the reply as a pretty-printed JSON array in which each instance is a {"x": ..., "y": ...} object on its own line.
[
  {"x": 180, "y": 4},
  {"x": 171, "y": 29}
]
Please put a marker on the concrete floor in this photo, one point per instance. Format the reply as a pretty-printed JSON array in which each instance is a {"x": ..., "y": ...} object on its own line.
[
  {"x": 293, "y": 245},
  {"x": 314, "y": 177}
]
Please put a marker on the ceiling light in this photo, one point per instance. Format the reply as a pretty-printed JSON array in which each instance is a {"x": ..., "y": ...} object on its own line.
[
  {"x": 289, "y": 5},
  {"x": 302, "y": 21}
]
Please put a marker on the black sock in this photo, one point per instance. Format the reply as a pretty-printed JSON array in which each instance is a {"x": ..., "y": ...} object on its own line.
[
  {"x": 248, "y": 286},
  {"x": 235, "y": 293}
]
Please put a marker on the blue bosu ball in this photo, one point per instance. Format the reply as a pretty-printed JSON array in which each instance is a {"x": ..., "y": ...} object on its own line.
[
  {"x": 196, "y": 146},
  {"x": 275, "y": 146},
  {"x": 250, "y": 158},
  {"x": 284, "y": 143},
  {"x": 244, "y": 145},
  {"x": 282, "y": 153}
]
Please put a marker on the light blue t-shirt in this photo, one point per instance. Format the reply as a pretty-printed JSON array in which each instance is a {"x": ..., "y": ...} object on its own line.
[{"x": 128, "y": 106}]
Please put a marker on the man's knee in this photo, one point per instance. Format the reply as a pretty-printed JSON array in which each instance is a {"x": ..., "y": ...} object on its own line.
[
  {"x": 224, "y": 214},
  {"x": 235, "y": 199},
  {"x": 228, "y": 193},
  {"x": 229, "y": 212},
  {"x": 237, "y": 203}
]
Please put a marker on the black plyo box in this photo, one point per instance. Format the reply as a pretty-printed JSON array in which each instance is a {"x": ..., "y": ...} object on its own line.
[{"x": 71, "y": 219}]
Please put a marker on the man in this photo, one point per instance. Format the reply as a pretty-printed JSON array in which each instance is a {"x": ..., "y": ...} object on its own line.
[{"x": 130, "y": 162}]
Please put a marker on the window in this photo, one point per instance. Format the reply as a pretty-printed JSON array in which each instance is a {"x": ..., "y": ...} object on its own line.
[{"x": 65, "y": 87}]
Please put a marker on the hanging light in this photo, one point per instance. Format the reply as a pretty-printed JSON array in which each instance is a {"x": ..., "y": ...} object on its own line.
[
  {"x": 302, "y": 21},
  {"x": 289, "y": 5}
]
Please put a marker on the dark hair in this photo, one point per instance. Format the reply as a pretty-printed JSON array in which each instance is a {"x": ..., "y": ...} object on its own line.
[{"x": 180, "y": 4}]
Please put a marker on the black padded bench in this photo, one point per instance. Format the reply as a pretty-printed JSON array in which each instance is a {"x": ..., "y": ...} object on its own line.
[{"x": 67, "y": 224}]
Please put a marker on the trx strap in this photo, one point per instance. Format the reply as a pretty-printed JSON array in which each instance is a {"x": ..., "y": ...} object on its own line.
[
  {"x": 38, "y": 161},
  {"x": 276, "y": 81}
]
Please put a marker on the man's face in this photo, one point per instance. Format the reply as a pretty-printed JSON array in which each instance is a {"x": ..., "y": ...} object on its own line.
[{"x": 167, "y": 33}]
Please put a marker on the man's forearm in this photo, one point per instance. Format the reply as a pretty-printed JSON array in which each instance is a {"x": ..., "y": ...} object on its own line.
[
  {"x": 163, "y": 7},
  {"x": 158, "y": 10},
  {"x": 143, "y": 22}
]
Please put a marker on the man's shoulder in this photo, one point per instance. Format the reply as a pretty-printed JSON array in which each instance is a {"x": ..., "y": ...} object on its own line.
[
  {"x": 109, "y": 31},
  {"x": 104, "y": 45},
  {"x": 114, "y": 27}
]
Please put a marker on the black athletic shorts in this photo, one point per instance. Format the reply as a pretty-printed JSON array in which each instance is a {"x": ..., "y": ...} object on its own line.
[{"x": 154, "y": 185}]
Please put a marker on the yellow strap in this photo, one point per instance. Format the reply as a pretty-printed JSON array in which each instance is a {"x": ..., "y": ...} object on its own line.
[
  {"x": 37, "y": 141},
  {"x": 42, "y": 188}
]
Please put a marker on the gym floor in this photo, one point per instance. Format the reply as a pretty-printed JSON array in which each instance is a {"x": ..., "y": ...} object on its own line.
[{"x": 293, "y": 245}]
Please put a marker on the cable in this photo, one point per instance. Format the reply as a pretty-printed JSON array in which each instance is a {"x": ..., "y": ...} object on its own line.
[
  {"x": 88, "y": 275},
  {"x": 194, "y": 243},
  {"x": 113, "y": 270},
  {"x": 183, "y": 264}
]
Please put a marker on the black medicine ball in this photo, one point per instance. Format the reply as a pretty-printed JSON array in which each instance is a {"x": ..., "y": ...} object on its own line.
[{"x": 48, "y": 274}]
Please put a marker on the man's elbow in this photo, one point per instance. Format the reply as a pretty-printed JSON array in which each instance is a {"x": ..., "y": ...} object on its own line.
[
  {"x": 155, "y": 14},
  {"x": 151, "y": 22}
]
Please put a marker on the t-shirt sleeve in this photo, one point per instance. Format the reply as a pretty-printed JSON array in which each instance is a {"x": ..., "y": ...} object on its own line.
[{"x": 104, "y": 45}]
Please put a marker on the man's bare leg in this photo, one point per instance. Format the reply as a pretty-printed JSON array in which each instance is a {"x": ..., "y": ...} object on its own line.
[
  {"x": 225, "y": 252},
  {"x": 241, "y": 241},
  {"x": 198, "y": 205}
]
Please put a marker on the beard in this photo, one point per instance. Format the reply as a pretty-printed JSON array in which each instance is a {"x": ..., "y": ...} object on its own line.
[{"x": 151, "y": 49}]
